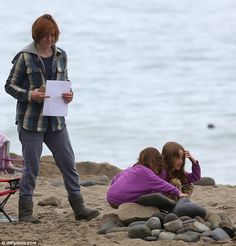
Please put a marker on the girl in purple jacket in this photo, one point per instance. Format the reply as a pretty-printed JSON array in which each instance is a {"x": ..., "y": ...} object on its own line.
[
  {"x": 140, "y": 179},
  {"x": 174, "y": 172}
]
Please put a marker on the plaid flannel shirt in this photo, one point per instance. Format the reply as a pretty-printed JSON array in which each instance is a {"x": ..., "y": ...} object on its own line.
[{"x": 28, "y": 73}]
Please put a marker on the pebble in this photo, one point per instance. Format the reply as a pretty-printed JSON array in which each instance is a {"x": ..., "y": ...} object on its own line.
[
  {"x": 207, "y": 233},
  {"x": 154, "y": 223},
  {"x": 156, "y": 232},
  {"x": 207, "y": 239},
  {"x": 205, "y": 181},
  {"x": 189, "y": 236},
  {"x": 102, "y": 180},
  {"x": 87, "y": 183},
  {"x": 170, "y": 217},
  {"x": 53, "y": 201},
  {"x": 139, "y": 231},
  {"x": 161, "y": 216},
  {"x": 130, "y": 212},
  {"x": 220, "y": 234},
  {"x": 166, "y": 236},
  {"x": 150, "y": 238},
  {"x": 107, "y": 222},
  {"x": 174, "y": 225},
  {"x": 200, "y": 227},
  {"x": 142, "y": 223},
  {"x": 185, "y": 218}
]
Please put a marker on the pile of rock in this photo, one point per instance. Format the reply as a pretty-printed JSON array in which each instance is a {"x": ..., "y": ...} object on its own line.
[{"x": 186, "y": 221}]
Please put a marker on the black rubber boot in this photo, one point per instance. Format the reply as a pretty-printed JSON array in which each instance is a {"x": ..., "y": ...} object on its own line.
[
  {"x": 26, "y": 211},
  {"x": 184, "y": 206},
  {"x": 80, "y": 211}
]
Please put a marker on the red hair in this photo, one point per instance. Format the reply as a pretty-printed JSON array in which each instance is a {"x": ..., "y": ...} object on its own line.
[{"x": 43, "y": 26}]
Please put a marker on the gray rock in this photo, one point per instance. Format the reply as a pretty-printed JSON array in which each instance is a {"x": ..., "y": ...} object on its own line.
[
  {"x": 174, "y": 225},
  {"x": 207, "y": 239},
  {"x": 189, "y": 227},
  {"x": 107, "y": 222},
  {"x": 167, "y": 236},
  {"x": 156, "y": 200},
  {"x": 156, "y": 232},
  {"x": 184, "y": 229},
  {"x": 189, "y": 221},
  {"x": 184, "y": 218},
  {"x": 200, "y": 227},
  {"x": 207, "y": 233},
  {"x": 130, "y": 212},
  {"x": 227, "y": 227},
  {"x": 189, "y": 236},
  {"x": 220, "y": 234},
  {"x": 86, "y": 183},
  {"x": 194, "y": 226},
  {"x": 102, "y": 180},
  {"x": 161, "y": 216},
  {"x": 206, "y": 181},
  {"x": 170, "y": 217},
  {"x": 140, "y": 222},
  {"x": 153, "y": 223},
  {"x": 139, "y": 231},
  {"x": 200, "y": 219},
  {"x": 150, "y": 238},
  {"x": 53, "y": 201}
]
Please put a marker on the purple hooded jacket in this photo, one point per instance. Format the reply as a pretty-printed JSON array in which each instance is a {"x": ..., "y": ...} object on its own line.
[{"x": 135, "y": 181}]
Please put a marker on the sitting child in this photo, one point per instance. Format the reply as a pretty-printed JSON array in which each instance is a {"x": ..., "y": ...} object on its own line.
[
  {"x": 140, "y": 179},
  {"x": 174, "y": 172}
]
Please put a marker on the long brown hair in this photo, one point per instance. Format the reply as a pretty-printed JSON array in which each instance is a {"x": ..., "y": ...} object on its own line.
[
  {"x": 151, "y": 158},
  {"x": 170, "y": 152},
  {"x": 43, "y": 26}
]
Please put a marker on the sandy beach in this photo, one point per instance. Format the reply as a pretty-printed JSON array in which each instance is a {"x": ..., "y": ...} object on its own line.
[{"x": 58, "y": 226}]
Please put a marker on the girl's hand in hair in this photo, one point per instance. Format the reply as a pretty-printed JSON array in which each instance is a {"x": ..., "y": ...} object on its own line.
[{"x": 190, "y": 157}]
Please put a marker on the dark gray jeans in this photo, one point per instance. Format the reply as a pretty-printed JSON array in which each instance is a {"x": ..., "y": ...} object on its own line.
[{"x": 59, "y": 144}]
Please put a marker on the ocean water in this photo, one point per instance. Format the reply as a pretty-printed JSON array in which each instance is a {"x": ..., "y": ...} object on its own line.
[{"x": 143, "y": 73}]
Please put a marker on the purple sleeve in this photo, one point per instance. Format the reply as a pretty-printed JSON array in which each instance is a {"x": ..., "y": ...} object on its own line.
[
  {"x": 115, "y": 178},
  {"x": 162, "y": 186},
  {"x": 163, "y": 175},
  {"x": 196, "y": 173}
]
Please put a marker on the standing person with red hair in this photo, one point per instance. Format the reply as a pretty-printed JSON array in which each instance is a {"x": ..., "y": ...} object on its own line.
[{"x": 38, "y": 62}]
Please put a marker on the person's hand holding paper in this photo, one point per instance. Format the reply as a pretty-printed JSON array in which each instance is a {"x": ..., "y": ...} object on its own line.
[
  {"x": 59, "y": 96},
  {"x": 67, "y": 96}
]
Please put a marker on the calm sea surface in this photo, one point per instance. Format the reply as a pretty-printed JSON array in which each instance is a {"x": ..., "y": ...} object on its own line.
[{"x": 144, "y": 72}]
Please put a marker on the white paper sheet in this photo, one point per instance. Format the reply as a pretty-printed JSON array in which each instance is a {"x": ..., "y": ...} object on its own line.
[{"x": 55, "y": 105}]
